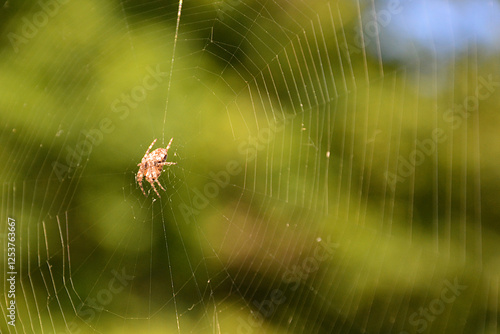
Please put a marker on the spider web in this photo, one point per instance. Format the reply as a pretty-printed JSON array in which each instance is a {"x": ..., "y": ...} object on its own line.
[{"x": 336, "y": 166}]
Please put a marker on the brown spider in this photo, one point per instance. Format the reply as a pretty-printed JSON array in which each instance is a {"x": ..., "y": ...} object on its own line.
[{"x": 151, "y": 166}]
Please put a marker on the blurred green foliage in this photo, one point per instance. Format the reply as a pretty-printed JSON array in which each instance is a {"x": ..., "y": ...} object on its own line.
[{"x": 322, "y": 175}]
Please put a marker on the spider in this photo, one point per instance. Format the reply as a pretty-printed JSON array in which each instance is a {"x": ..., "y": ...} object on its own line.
[{"x": 151, "y": 166}]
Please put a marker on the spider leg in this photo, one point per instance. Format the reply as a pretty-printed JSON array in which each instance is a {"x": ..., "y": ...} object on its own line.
[
  {"x": 170, "y": 143},
  {"x": 160, "y": 184},
  {"x": 167, "y": 164},
  {"x": 138, "y": 178},
  {"x": 140, "y": 185},
  {"x": 153, "y": 185},
  {"x": 149, "y": 148}
]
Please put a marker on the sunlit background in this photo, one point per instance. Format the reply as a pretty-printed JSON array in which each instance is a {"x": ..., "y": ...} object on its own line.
[{"x": 336, "y": 166}]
